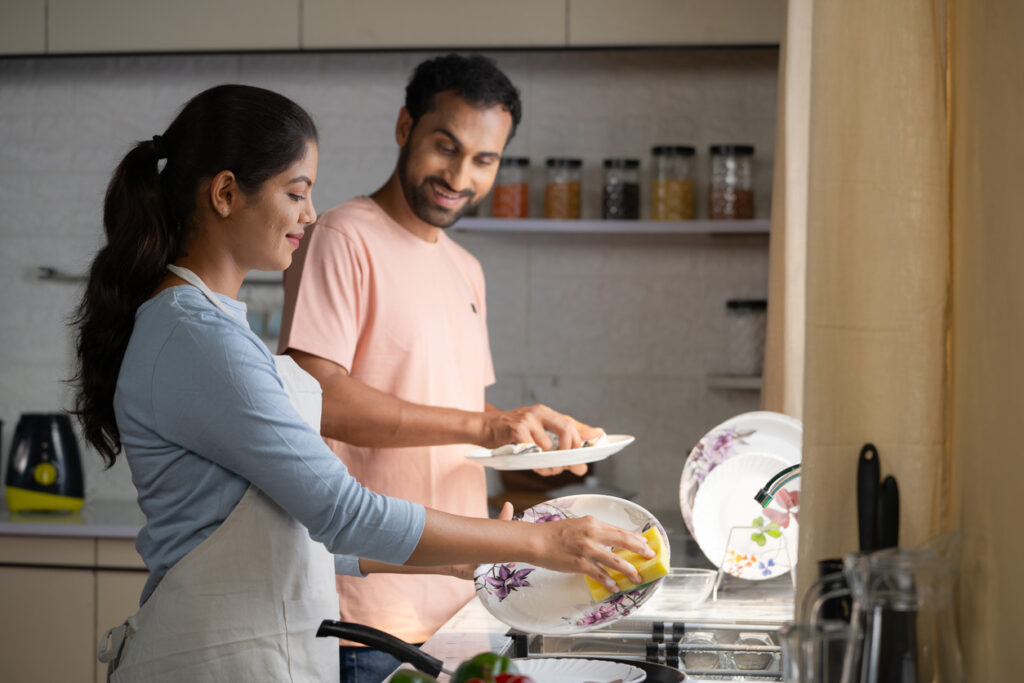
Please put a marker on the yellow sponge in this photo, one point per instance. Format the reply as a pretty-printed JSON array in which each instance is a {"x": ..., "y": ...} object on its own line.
[{"x": 650, "y": 570}]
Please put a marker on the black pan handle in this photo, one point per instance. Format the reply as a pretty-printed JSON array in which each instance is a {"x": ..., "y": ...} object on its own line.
[
  {"x": 888, "y": 514},
  {"x": 385, "y": 642},
  {"x": 868, "y": 475}
]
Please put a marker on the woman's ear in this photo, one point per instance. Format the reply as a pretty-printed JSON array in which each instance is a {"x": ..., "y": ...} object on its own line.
[
  {"x": 223, "y": 193},
  {"x": 403, "y": 127}
]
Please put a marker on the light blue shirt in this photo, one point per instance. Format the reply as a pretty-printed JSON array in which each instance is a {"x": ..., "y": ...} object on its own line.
[{"x": 203, "y": 413}]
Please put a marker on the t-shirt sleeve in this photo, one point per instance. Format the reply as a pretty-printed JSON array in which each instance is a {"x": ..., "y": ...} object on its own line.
[
  {"x": 217, "y": 394},
  {"x": 326, "y": 296}
]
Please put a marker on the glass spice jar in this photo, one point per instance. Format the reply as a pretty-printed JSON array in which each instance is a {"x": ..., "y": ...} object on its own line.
[
  {"x": 731, "y": 194},
  {"x": 562, "y": 191},
  {"x": 620, "y": 197},
  {"x": 512, "y": 189},
  {"x": 672, "y": 183}
]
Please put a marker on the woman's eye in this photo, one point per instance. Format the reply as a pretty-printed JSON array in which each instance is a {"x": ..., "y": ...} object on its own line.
[{"x": 296, "y": 197}]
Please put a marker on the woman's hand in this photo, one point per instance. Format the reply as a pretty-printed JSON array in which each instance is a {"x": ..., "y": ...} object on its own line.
[{"x": 581, "y": 545}]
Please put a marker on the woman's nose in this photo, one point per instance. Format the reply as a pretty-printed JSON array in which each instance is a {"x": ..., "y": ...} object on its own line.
[{"x": 309, "y": 215}]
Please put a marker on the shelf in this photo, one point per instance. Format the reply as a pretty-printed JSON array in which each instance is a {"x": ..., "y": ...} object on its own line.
[
  {"x": 257, "y": 278},
  {"x": 735, "y": 382},
  {"x": 614, "y": 227}
]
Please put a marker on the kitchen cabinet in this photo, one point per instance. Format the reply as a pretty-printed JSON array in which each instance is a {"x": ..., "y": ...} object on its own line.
[
  {"x": 143, "y": 26},
  {"x": 59, "y": 594},
  {"x": 594, "y": 23},
  {"x": 180, "y": 26},
  {"x": 48, "y": 624},
  {"x": 442, "y": 23},
  {"x": 22, "y": 27}
]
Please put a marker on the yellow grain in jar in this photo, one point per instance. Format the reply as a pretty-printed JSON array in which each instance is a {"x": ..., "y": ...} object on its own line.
[
  {"x": 562, "y": 191},
  {"x": 672, "y": 184}
]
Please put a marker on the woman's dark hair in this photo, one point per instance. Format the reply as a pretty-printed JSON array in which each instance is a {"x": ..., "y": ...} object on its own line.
[
  {"x": 148, "y": 213},
  {"x": 474, "y": 78}
]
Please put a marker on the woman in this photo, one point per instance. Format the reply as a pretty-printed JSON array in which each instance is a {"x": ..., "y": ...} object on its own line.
[{"x": 222, "y": 438}]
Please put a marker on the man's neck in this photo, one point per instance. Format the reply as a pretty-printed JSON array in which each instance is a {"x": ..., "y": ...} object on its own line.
[{"x": 391, "y": 200}]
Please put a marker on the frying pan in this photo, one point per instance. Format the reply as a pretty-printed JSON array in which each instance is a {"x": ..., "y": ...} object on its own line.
[{"x": 405, "y": 652}]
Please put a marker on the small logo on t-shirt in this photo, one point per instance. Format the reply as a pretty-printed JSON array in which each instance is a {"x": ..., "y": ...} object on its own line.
[{"x": 473, "y": 306}]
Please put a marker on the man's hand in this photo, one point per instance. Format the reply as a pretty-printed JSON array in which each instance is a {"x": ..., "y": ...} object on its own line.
[{"x": 530, "y": 424}]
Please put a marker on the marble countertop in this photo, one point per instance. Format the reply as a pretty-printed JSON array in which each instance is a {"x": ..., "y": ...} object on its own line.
[{"x": 96, "y": 519}]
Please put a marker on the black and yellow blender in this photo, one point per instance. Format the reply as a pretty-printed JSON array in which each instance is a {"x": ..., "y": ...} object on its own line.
[{"x": 44, "y": 468}]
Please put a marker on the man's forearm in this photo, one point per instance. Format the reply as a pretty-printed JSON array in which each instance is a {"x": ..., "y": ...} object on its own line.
[{"x": 358, "y": 414}]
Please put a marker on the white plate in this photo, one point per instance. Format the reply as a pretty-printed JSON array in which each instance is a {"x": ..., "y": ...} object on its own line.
[
  {"x": 537, "y": 600},
  {"x": 569, "y": 456},
  {"x": 757, "y": 432},
  {"x": 578, "y": 670},
  {"x": 766, "y": 544}
]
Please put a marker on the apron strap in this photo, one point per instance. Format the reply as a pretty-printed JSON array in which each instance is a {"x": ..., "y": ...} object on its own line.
[{"x": 112, "y": 644}]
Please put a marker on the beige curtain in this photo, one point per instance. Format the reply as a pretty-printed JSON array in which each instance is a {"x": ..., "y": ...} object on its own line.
[
  {"x": 912, "y": 255},
  {"x": 784, "y": 345},
  {"x": 987, "y": 341}
]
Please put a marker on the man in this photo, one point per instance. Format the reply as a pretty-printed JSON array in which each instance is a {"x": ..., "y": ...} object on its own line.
[{"x": 389, "y": 315}]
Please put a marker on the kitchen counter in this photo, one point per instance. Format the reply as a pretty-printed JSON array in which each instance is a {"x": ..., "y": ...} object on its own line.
[{"x": 96, "y": 519}]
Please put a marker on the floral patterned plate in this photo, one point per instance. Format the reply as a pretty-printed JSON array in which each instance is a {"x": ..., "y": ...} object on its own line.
[
  {"x": 757, "y": 432},
  {"x": 734, "y": 531},
  {"x": 537, "y": 600}
]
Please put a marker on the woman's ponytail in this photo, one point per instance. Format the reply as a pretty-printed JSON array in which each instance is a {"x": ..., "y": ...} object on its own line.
[{"x": 140, "y": 243}]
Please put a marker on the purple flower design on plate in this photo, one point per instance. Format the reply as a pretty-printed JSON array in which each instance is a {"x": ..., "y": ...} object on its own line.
[
  {"x": 766, "y": 567},
  {"x": 617, "y": 606},
  {"x": 505, "y": 578}
]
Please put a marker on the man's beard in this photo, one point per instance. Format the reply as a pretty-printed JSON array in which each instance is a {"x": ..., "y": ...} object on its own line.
[{"x": 420, "y": 197}]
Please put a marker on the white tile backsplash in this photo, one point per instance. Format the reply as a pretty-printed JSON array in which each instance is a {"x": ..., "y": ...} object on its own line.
[{"x": 620, "y": 330}]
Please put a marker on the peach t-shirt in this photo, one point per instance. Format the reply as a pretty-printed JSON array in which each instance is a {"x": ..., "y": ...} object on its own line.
[{"x": 406, "y": 317}]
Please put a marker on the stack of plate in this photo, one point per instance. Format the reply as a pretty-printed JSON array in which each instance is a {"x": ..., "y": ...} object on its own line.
[{"x": 721, "y": 477}]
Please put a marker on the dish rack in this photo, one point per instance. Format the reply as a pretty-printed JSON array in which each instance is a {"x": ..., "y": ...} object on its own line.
[{"x": 704, "y": 650}]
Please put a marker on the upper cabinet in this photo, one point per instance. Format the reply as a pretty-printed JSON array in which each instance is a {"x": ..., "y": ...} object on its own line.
[
  {"x": 141, "y": 26},
  {"x": 180, "y": 25},
  {"x": 675, "y": 22},
  {"x": 365, "y": 24},
  {"x": 22, "y": 27}
]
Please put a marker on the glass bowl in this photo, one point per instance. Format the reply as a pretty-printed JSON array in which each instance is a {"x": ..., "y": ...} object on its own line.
[{"x": 687, "y": 586}]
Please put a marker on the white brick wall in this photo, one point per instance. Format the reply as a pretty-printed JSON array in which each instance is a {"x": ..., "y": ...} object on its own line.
[{"x": 621, "y": 331}]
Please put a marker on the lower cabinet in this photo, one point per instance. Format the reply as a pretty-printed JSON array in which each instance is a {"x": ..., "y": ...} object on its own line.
[{"x": 54, "y": 607}]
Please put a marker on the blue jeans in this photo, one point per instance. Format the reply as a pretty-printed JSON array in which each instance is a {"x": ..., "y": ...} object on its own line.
[{"x": 366, "y": 665}]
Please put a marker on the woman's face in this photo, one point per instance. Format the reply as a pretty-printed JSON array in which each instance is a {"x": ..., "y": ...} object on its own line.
[{"x": 273, "y": 219}]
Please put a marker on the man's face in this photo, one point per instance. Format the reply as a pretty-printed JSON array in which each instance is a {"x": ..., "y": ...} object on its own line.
[{"x": 450, "y": 158}]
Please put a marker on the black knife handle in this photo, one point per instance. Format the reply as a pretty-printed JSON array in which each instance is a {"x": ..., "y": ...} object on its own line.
[
  {"x": 868, "y": 475},
  {"x": 385, "y": 642},
  {"x": 888, "y": 514}
]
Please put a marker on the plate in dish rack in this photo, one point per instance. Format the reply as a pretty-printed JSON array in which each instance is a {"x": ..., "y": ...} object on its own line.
[
  {"x": 756, "y": 432},
  {"x": 563, "y": 458},
  {"x": 537, "y": 600},
  {"x": 734, "y": 531},
  {"x": 577, "y": 670}
]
